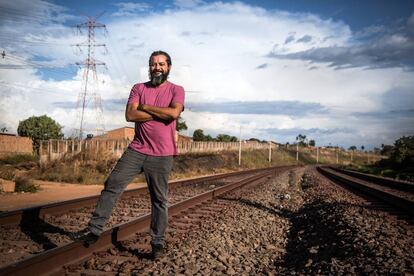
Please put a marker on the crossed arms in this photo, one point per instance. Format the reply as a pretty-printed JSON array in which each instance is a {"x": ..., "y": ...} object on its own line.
[{"x": 136, "y": 112}]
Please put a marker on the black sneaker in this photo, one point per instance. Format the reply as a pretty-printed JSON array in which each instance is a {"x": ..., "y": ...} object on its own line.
[
  {"x": 84, "y": 235},
  {"x": 157, "y": 251}
]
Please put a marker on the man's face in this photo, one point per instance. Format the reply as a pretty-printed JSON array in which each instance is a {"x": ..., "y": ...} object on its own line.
[{"x": 158, "y": 69}]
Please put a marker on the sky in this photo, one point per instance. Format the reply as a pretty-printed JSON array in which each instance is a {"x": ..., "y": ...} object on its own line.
[{"x": 339, "y": 72}]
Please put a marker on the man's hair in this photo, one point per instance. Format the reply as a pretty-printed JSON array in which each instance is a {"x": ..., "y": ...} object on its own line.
[{"x": 157, "y": 53}]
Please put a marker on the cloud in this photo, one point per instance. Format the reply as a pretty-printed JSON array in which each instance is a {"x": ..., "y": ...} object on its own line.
[
  {"x": 262, "y": 66},
  {"x": 378, "y": 47},
  {"x": 290, "y": 108},
  {"x": 305, "y": 39},
  {"x": 290, "y": 38},
  {"x": 217, "y": 49},
  {"x": 188, "y": 3},
  {"x": 130, "y": 8}
]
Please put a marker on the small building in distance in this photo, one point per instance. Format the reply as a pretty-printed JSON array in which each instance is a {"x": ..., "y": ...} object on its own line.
[
  {"x": 129, "y": 132},
  {"x": 121, "y": 133}
]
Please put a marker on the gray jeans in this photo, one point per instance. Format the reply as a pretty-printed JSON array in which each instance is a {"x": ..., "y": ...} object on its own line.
[{"x": 156, "y": 170}]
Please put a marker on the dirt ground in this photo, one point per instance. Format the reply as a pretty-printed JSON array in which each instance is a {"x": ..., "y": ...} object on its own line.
[{"x": 60, "y": 192}]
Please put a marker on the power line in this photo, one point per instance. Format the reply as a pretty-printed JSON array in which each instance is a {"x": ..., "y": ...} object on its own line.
[{"x": 32, "y": 64}]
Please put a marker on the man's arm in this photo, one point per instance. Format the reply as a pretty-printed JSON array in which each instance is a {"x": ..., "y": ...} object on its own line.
[
  {"x": 132, "y": 114},
  {"x": 165, "y": 113}
]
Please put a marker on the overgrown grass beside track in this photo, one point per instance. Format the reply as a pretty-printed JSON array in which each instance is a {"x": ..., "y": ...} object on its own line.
[{"x": 93, "y": 169}]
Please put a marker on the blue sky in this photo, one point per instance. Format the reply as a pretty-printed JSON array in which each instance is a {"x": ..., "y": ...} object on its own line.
[{"x": 340, "y": 72}]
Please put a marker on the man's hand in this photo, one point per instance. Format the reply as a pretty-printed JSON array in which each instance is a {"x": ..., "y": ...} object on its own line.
[
  {"x": 134, "y": 114},
  {"x": 170, "y": 113}
]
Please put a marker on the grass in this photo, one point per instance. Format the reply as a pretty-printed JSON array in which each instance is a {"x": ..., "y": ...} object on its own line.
[
  {"x": 93, "y": 169},
  {"x": 376, "y": 169},
  {"x": 25, "y": 184},
  {"x": 18, "y": 159}
]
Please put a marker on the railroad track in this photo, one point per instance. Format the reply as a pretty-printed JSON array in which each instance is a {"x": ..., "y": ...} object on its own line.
[
  {"x": 43, "y": 211},
  {"x": 53, "y": 258},
  {"x": 397, "y": 194}
]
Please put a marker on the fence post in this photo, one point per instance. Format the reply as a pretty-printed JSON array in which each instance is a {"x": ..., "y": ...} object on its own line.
[
  {"x": 297, "y": 153},
  {"x": 317, "y": 155},
  {"x": 270, "y": 152}
]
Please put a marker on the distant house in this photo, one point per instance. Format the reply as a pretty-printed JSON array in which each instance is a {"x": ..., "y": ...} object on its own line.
[
  {"x": 121, "y": 133},
  {"x": 129, "y": 132}
]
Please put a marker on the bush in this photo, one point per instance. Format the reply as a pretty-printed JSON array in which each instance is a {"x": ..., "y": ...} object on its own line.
[
  {"x": 19, "y": 158},
  {"x": 7, "y": 172},
  {"x": 25, "y": 184}
]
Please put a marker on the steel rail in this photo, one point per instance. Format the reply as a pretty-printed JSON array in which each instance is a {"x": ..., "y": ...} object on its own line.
[
  {"x": 405, "y": 205},
  {"x": 384, "y": 181},
  {"x": 16, "y": 216},
  {"x": 52, "y": 261}
]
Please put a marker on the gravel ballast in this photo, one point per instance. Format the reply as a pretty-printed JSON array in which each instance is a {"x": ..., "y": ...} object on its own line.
[{"x": 296, "y": 223}]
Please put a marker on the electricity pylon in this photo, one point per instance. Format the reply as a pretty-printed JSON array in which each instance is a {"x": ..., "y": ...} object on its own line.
[{"x": 90, "y": 89}]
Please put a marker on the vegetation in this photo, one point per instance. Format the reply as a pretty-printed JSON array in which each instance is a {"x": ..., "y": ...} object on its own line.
[
  {"x": 400, "y": 162},
  {"x": 40, "y": 128},
  {"x": 25, "y": 184},
  {"x": 302, "y": 140},
  {"x": 18, "y": 159},
  {"x": 181, "y": 125},
  {"x": 198, "y": 135}
]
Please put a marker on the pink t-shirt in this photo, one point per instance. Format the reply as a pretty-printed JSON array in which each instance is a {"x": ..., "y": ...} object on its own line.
[{"x": 155, "y": 137}]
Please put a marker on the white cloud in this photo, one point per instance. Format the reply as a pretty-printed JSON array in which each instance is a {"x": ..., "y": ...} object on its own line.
[
  {"x": 130, "y": 8},
  {"x": 216, "y": 50}
]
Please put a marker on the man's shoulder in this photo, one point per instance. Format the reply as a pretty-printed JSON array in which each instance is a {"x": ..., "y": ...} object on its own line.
[
  {"x": 141, "y": 84},
  {"x": 176, "y": 86}
]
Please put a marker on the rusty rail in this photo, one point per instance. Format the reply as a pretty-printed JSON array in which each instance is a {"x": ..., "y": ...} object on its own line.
[
  {"x": 15, "y": 217},
  {"x": 51, "y": 262},
  {"x": 402, "y": 204}
]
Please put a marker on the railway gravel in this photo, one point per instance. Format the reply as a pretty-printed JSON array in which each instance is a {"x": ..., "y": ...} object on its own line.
[{"x": 296, "y": 223}]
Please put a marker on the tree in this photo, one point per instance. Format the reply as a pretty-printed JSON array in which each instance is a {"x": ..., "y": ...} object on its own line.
[
  {"x": 198, "y": 135},
  {"x": 302, "y": 140},
  {"x": 386, "y": 150},
  {"x": 353, "y": 148},
  {"x": 362, "y": 148},
  {"x": 312, "y": 143},
  {"x": 403, "y": 153},
  {"x": 181, "y": 125},
  {"x": 40, "y": 128},
  {"x": 254, "y": 140},
  {"x": 226, "y": 138}
]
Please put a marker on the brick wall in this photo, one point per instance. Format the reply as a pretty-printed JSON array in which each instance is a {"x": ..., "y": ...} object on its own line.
[
  {"x": 12, "y": 144},
  {"x": 121, "y": 133}
]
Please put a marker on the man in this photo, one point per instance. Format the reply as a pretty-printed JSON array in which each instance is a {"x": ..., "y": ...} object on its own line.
[{"x": 154, "y": 106}]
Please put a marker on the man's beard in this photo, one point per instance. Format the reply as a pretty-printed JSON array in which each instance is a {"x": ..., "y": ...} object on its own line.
[{"x": 158, "y": 79}]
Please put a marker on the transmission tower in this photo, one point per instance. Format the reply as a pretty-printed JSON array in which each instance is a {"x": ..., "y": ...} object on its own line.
[{"x": 90, "y": 88}]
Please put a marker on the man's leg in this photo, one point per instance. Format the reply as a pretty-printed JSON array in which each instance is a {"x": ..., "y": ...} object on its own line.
[
  {"x": 128, "y": 166},
  {"x": 156, "y": 171}
]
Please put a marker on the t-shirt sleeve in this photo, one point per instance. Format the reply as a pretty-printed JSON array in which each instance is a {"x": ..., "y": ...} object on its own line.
[
  {"x": 134, "y": 95},
  {"x": 179, "y": 95}
]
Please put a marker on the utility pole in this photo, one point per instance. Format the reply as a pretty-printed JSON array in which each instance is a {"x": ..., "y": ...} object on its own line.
[
  {"x": 240, "y": 144},
  {"x": 337, "y": 155},
  {"x": 297, "y": 152},
  {"x": 317, "y": 155},
  {"x": 270, "y": 152},
  {"x": 89, "y": 65}
]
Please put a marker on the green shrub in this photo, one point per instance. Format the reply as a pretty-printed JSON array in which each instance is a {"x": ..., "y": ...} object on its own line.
[
  {"x": 19, "y": 158},
  {"x": 7, "y": 172},
  {"x": 25, "y": 184},
  {"x": 388, "y": 173}
]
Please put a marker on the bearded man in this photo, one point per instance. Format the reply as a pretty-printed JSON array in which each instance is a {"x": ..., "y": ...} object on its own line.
[{"x": 154, "y": 106}]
